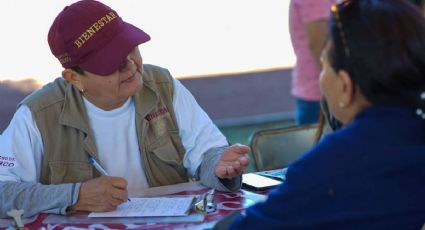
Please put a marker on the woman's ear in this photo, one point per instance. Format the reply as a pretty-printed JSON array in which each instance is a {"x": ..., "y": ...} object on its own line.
[
  {"x": 347, "y": 88},
  {"x": 74, "y": 78}
]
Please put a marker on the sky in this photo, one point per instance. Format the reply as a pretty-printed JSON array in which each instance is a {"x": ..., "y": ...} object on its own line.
[{"x": 189, "y": 37}]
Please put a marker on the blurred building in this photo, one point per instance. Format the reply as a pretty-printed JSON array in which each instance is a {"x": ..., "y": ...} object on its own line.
[{"x": 232, "y": 101}]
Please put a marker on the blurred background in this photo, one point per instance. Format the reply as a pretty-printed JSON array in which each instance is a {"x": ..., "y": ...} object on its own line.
[{"x": 235, "y": 56}]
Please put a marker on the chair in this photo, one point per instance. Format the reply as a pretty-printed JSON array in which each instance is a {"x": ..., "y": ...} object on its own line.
[{"x": 277, "y": 148}]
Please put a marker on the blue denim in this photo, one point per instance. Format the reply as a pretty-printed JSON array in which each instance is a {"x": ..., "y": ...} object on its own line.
[{"x": 307, "y": 112}]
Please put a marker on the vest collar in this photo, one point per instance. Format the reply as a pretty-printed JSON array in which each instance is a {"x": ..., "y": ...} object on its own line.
[
  {"x": 145, "y": 100},
  {"x": 74, "y": 112}
]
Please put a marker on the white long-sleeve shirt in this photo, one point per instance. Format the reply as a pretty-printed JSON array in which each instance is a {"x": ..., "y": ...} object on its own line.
[{"x": 22, "y": 146}]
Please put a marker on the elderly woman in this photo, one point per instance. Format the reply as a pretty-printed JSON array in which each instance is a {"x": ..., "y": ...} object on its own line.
[
  {"x": 109, "y": 127},
  {"x": 370, "y": 174}
]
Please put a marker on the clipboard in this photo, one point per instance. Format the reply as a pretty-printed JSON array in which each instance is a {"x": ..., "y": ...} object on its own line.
[
  {"x": 169, "y": 206},
  {"x": 205, "y": 203},
  {"x": 197, "y": 214},
  {"x": 84, "y": 219}
]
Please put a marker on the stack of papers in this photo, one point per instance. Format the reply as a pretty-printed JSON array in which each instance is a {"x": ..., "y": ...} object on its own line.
[{"x": 151, "y": 207}]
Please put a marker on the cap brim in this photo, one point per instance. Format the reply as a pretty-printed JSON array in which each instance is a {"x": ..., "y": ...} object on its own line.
[{"x": 107, "y": 60}]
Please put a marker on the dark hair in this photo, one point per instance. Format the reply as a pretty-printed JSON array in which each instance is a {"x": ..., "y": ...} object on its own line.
[
  {"x": 325, "y": 117},
  {"x": 78, "y": 69},
  {"x": 386, "y": 44}
]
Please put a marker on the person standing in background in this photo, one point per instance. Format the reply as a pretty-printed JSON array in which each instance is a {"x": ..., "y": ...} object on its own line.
[{"x": 307, "y": 26}]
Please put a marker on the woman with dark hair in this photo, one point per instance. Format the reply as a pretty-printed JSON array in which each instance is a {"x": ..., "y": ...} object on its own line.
[
  {"x": 369, "y": 174},
  {"x": 326, "y": 118}
]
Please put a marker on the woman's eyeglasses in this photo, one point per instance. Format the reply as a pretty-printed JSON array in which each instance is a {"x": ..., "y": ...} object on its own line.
[{"x": 336, "y": 12}]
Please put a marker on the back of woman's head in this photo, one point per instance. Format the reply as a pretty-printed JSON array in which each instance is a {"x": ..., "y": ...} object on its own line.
[{"x": 381, "y": 44}]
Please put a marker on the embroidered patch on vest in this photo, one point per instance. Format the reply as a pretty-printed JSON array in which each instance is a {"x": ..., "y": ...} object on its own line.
[
  {"x": 155, "y": 114},
  {"x": 158, "y": 120}
]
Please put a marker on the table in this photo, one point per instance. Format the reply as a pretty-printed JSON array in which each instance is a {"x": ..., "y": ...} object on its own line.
[{"x": 226, "y": 203}]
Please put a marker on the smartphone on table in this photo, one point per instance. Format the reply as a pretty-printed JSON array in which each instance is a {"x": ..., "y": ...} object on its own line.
[
  {"x": 258, "y": 182},
  {"x": 277, "y": 174}
]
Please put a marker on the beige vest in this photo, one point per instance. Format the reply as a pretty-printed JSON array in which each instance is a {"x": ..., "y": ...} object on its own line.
[{"x": 61, "y": 117}]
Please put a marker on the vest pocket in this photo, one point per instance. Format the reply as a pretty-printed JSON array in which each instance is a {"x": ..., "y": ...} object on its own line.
[
  {"x": 69, "y": 172},
  {"x": 166, "y": 152},
  {"x": 165, "y": 160}
]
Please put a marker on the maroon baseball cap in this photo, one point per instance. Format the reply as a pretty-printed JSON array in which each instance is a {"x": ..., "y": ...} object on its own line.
[{"x": 92, "y": 36}]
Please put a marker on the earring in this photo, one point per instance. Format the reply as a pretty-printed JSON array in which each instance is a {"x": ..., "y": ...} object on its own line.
[{"x": 82, "y": 91}]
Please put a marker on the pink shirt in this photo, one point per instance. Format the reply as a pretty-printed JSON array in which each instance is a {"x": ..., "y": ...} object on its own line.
[{"x": 305, "y": 76}]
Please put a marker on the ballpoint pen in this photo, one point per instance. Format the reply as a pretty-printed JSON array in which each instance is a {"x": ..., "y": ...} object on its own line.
[{"x": 99, "y": 168}]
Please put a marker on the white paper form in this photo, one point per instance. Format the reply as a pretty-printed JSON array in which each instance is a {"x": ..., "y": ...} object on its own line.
[{"x": 151, "y": 207}]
